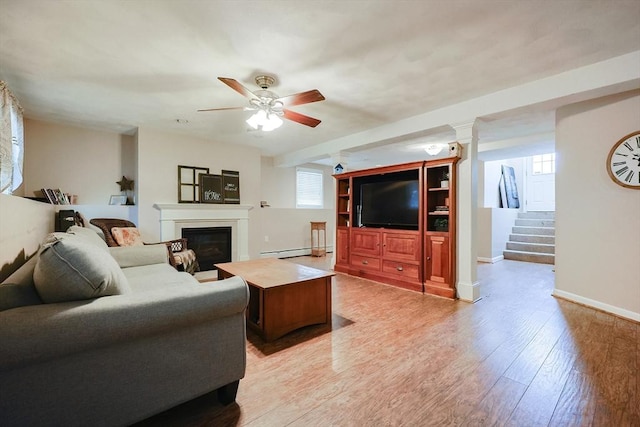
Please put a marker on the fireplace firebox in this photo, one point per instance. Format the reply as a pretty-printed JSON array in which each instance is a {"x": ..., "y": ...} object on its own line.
[{"x": 212, "y": 245}]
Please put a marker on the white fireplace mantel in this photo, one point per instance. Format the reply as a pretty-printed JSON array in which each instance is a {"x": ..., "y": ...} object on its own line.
[{"x": 174, "y": 217}]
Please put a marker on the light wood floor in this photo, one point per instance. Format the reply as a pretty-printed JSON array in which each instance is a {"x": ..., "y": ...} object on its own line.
[{"x": 518, "y": 357}]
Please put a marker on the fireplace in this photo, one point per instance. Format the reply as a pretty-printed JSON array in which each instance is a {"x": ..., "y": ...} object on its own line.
[
  {"x": 212, "y": 245},
  {"x": 176, "y": 217}
]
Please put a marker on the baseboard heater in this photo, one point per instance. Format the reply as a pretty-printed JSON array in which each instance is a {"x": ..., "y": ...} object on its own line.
[{"x": 289, "y": 253}]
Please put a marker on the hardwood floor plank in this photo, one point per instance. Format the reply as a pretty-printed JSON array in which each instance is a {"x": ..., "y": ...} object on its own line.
[
  {"x": 617, "y": 386},
  {"x": 497, "y": 405},
  {"x": 395, "y": 357},
  {"x": 576, "y": 404},
  {"x": 539, "y": 401},
  {"x": 526, "y": 366}
]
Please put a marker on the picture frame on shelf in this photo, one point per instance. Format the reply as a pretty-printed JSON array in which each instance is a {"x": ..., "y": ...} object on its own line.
[
  {"x": 211, "y": 190},
  {"x": 189, "y": 183},
  {"x": 231, "y": 186},
  {"x": 118, "y": 199}
]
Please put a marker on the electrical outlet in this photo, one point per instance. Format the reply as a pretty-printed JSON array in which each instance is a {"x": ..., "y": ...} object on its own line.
[{"x": 266, "y": 238}]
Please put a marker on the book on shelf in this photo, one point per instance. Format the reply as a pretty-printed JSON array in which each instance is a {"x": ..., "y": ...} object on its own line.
[
  {"x": 55, "y": 197},
  {"x": 47, "y": 195}
]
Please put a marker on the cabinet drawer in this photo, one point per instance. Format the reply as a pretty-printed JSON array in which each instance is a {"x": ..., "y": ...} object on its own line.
[
  {"x": 364, "y": 262},
  {"x": 402, "y": 269}
]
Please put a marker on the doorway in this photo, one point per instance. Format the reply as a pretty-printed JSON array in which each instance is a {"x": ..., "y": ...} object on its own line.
[{"x": 541, "y": 182}]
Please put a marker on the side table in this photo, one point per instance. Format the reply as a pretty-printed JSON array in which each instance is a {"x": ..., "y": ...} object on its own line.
[{"x": 316, "y": 249}]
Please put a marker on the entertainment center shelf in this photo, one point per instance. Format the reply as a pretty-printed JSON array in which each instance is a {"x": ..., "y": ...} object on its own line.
[{"x": 396, "y": 225}]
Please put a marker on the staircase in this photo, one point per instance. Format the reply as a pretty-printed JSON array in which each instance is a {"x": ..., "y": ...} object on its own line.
[{"x": 533, "y": 238}]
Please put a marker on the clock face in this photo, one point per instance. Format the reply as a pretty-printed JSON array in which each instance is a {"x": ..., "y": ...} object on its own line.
[{"x": 623, "y": 163}]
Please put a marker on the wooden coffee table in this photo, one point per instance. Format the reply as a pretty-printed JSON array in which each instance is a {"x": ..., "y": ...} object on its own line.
[{"x": 284, "y": 296}]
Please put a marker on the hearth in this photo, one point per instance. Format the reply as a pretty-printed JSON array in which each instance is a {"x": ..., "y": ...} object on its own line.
[{"x": 212, "y": 245}]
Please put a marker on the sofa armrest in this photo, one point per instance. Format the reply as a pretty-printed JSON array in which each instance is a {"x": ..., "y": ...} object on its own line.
[
  {"x": 38, "y": 333},
  {"x": 134, "y": 256}
]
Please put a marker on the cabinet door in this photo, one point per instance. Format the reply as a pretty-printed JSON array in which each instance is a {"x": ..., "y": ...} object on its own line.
[
  {"x": 365, "y": 242},
  {"x": 401, "y": 246},
  {"x": 437, "y": 266},
  {"x": 342, "y": 248}
]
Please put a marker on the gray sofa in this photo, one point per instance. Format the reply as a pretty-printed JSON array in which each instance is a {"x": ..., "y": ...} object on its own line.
[{"x": 91, "y": 335}]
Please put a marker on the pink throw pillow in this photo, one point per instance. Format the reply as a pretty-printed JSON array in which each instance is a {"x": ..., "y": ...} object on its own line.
[{"x": 127, "y": 236}]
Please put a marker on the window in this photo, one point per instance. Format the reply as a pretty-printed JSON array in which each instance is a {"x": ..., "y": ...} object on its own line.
[
  {"x": 544, "y": 164},
  {"x": 309, "y": 188},
  {"x": 11, "y": 141}
]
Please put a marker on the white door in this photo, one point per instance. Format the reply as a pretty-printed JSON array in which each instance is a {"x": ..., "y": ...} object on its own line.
[{"x": 541, "y": 182}]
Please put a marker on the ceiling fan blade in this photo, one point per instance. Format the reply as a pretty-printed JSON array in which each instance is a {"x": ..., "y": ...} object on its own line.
[
  {"x": 235, "y": 85},
  {"x": 220, "y": 109},
  {"x": 302, "y": 98},
  {"x": 301, "y": 118}
]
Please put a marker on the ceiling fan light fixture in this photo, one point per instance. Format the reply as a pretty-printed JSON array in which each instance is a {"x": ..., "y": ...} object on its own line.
[
  {"x": 264, "y": 121},
  {"x": 253, "y": 121},
  {"x": 272, "y": 122},
  {"x": 265, "y": 81},
  {"x": 269, "y": 107}
]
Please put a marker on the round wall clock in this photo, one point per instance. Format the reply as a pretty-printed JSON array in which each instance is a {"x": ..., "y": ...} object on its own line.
[{"x": 623, "y": 163}]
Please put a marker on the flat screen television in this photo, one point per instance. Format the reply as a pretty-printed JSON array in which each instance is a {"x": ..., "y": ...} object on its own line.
[{"x": 392, "y": 204}]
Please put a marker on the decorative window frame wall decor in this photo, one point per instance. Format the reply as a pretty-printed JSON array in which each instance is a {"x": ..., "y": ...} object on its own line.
[{"x": 189, "y": 183}]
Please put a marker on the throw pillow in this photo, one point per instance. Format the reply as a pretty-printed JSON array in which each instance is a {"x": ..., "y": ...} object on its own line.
[
  {"x": 127, "y": 236},
  {"x": 71, "y": 268}
]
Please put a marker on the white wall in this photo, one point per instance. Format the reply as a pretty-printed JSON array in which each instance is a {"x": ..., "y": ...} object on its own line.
[
  {"x": 597, "y": 221},
  {"x": 89, "y": 163},
  {"x": 159, "y": 155},
  {"x": 23, "y": 225},
  {"x": 494, "y": 227},
  {"x": 287, "y": 230},
  {"x": 78, "y": 161},
  {"x": 495, "y": 223}
]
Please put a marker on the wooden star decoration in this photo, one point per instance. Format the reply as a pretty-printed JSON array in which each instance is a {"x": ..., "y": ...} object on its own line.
[{"x": 125, "y": 184}]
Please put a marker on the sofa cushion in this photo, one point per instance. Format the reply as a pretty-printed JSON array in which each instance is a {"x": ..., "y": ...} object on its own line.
[
  {"x": 71, "y": 268},
  {"x": 133, "y": 256},
  {"x": 156, "y": 276},
  {"x": 127, "y": 236},
  {"x": 18, "y": 289}
]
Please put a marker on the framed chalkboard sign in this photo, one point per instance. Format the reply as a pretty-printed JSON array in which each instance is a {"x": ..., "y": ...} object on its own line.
[
  {"x": 211, "y": 188},
  {"x": 231, "y": 186}
]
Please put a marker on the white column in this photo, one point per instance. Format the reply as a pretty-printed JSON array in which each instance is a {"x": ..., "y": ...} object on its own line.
[{"x": 467, "y": 286}]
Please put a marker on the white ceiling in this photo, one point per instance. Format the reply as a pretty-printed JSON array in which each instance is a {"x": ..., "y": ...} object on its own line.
[{"x": 119, "y": 65}]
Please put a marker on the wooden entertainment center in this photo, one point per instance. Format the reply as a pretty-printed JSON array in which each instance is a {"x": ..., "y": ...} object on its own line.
[{"x": 417, "y": 254}]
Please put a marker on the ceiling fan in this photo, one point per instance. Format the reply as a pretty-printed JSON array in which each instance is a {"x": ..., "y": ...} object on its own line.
[{"x": 270, "y": 107}]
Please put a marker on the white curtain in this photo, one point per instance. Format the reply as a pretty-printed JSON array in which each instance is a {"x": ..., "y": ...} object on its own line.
[{"x": 11, "y": 141}]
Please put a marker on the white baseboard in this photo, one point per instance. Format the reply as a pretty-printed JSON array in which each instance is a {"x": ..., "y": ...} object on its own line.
[
  {"x": 491, "y": 260},
  {"x": 621, "y": 312},
  {"x": 288, "y": 253},
  {"x": 469, "y": 292}
]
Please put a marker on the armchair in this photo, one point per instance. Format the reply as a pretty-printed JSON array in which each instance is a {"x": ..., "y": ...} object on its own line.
[{"x": 180, "y": 257}]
